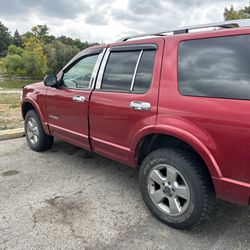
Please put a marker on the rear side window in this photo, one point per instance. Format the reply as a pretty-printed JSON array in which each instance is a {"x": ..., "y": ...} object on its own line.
[
  {"x": 144, "y": 73},
  {"x": 120, "y": 70},
  {"x": 215, "y": 67},
  {"x": 129, "y": 71}
]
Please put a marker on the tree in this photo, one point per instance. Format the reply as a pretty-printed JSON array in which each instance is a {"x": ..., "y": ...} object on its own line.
[
  {"x": 66, "y": 40},
  {"x": 58, "y": 55},
  {"x": 17, "y": 40},
  {"x": 35, "y": 59},
  {"x": 26, "y": 36},
  {"x": 40, "y": 30},
  {"x": 75, "y": 42},
  {"x": 5, "y": 39},
  {"x": 37, "y": 53},
  {"x": 14, "y": 50},
  {"x": 30, "y": 61},
  {"x": 232, "y": 14}
]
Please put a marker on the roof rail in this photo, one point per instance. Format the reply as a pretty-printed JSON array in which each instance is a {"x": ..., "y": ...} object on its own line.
[{"x": 227, "y": 24}]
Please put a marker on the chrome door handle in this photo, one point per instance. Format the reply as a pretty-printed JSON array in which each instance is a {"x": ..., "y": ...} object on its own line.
[
  {"x": 137, "y": 105},
  {"x": 78, "y": 98}
]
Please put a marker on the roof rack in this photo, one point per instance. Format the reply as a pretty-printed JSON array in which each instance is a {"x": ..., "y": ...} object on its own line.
[{"x": 182, "y": 30}]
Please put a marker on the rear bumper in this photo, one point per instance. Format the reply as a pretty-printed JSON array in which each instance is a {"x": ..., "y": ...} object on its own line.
[{"x": 232, "y": 190}]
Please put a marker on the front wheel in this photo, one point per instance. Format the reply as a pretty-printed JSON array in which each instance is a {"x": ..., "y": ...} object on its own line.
[
  {"x": 35, "y": 135},
  {"x": 175, "y": 187}
]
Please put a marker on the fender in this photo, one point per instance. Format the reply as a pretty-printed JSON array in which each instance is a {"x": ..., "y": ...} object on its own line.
[
  {"x": 183, "y": 135},
  {"x": 38, "y": 110}
]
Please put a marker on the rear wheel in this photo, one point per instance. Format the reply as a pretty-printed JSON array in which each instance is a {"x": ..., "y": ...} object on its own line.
[
  {"x": 175, "y": 187},
  {"x": 35, "y": 135}
]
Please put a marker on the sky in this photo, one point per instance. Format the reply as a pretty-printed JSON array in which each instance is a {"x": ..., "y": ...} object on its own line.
[{"x": 108, "y": 20}]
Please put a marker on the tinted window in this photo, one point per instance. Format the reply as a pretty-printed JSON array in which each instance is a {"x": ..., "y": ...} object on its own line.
[
  {"x": 119, "y": 71},
  {"x": 215, "y": 67},
  {"x": 144, "y": 72},
  {"x": 80, "y": 74}
]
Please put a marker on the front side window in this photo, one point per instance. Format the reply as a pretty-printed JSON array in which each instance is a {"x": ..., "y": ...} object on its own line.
[
  {"x": 215, "y": 67},
  {"x": 129, "y": 71},
  {"x": 79, "y": 75}
]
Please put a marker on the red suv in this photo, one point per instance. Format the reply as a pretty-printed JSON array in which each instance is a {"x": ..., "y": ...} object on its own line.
[{"x": 174, "y": 103}]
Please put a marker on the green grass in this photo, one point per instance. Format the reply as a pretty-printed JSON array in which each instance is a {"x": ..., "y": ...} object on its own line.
[{"x": 15, "y": 83}]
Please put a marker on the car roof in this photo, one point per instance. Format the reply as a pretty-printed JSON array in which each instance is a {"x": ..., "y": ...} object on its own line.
[{"x": 184, "y": 30}]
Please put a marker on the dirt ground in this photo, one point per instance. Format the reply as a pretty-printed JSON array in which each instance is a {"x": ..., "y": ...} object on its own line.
[{"x": 10, "y": 113}]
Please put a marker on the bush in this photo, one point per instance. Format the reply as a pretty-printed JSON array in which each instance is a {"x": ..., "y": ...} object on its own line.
[
  {"x": 35, "y": 64},
  {"x": 12, "y": 50},
  {"x": 13, "y": 65}
]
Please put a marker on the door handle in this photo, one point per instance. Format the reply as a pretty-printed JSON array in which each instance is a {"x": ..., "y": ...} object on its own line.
[
  {"x": 78, "y": 98},
  {"x": 137, "y": 105}
]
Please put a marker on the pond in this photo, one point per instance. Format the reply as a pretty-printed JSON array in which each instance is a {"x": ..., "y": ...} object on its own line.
[{"x": 12, "y": 83}]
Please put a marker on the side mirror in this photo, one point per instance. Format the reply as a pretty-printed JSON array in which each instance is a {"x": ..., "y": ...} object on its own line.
[{"x": 50, "y": 80}]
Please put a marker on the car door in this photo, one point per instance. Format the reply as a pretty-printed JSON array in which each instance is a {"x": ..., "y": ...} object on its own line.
[
  {"x": 125, "y": 98},
  {"x": 67, "y": 105}
]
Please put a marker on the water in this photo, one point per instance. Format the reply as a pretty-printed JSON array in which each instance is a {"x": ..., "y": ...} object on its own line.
[{"x": 6, "y": 83}]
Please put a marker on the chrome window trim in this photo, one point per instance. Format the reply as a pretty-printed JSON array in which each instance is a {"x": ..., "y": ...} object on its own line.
[
  {"x": 96, "y": 68},
  {"x": 102, "y": 68},
  {"x": 135, "y": 71},
  {"x": 104, "y": 63}
]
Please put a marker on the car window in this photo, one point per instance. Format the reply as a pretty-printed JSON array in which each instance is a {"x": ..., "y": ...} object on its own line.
[
  {"x": 119, "y": 71},
  {"x": 215, "y": 67},
  {"x": 144, "y": 73},
  {"x": 79, "y": 75},
  {"x": 129, "y": 71}
]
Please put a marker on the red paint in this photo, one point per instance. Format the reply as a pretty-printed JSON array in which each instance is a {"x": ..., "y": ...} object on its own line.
[
  {"x": 68, "y": 120},
  {"x": 218, "y": 129},
  {"x": 114, "y": 124}
]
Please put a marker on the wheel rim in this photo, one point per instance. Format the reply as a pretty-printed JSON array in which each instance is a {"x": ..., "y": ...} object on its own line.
[
  {"x": 32, "y": 131},
  {"x": 168, "y": 189}
]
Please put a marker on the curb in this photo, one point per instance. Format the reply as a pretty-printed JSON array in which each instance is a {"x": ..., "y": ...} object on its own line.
[{"x": 11, "y": 133}]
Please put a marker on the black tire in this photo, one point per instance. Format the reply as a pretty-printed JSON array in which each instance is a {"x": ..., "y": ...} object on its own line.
[
  {"x": 44, "y": 141},
  {"x": 200, "y": 201}
]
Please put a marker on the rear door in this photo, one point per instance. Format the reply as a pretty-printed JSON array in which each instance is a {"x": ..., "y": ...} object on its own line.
[
  {"x": 125, "y": 98},
  {"x": 67, "y": 105}
]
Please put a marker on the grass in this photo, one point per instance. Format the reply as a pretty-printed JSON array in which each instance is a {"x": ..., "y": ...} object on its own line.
[
  {"x": 1, "y": 62},
  {"x": 10, "y": 111},
  {"x": 15, "y": 83}
]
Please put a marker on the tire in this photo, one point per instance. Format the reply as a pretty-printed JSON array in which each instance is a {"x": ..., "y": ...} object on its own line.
[
  {"x": 176, "y": 187},
  {"x": 35, "y": 135}
]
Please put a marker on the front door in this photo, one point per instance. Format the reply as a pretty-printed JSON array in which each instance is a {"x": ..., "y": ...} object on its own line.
[{"x": 67, "y": 105}]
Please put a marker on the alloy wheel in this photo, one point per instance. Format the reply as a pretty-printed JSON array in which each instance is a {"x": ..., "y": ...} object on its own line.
[
  {"x": 168, "y": 189},
  {"x": 32, "y": 131}
]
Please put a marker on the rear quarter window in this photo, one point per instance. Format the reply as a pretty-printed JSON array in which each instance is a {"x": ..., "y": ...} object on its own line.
[{"x": 215, "y": 67}]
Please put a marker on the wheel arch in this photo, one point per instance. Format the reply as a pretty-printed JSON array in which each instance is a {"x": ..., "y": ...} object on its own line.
[
  {"x": 28, "y": 105},
  {"x": 150, "y": 140}
]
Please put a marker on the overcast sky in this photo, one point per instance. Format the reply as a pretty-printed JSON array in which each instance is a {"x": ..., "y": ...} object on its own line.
[{"x": 107, "y": 20}]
